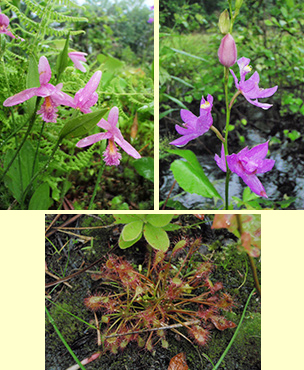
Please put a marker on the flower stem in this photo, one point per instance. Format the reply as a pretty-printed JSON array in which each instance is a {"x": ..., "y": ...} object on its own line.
[
  {"x": 226, "y": 77},
  {"x": 234, "y": 335},
  {"x": 96, "y": 185}
]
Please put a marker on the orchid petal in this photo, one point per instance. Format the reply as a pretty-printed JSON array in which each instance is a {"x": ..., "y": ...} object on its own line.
[
  {"x": 259, "y": 151},
  {"x": 266, "y": 166},
  {"x": 236, "y": 81},
  {"x": 89, "y": 140},
  {"x": 266, "y": 93},
  {"x": 113, "y": 116},
  {"x": 220, "y": 161},
  {"x": 188, "y": 117},
  {"x": 181, "y": 141},
  {"x": 20, "y": 97},
  {"x": 255, "y": 184},
  {"x": 44, "y": 70},
  {"x": 128, "y": 148}
]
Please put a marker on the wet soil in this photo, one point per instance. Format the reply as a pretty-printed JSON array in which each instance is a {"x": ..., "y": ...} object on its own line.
[
  {"x": 284, "y": 184},
  {"x": 230, "y": 270}
]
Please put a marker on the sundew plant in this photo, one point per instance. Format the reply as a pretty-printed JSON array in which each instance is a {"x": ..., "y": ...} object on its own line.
[
  {"x": 74, "y": 123},
  {"x": 248, "y": 163}
]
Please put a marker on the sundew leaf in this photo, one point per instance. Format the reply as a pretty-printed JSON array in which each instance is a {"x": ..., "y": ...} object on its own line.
[
  {"x": 80, "y": 126},
  {"x": 132, "y": 230},
  {"x": 123, "y": 244},
  {"x": 190, "y": 175},
  {"x": 156, "y": 237},
  {"x": 159, "y": 220}
]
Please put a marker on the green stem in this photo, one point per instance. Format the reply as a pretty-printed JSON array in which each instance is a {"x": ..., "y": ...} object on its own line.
[
  {"x": 38, "y": 145},
  {"x": 226, "y": 77},
  {"x": 96, "y": 185},
  {"x": 63, "y": 340},
  {"x": 235, "y": 333}
]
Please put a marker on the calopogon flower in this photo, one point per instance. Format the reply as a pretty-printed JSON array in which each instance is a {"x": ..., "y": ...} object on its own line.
[
  {"x": 193, "y": 126},
  {"x": 52, "y": 94},
  {"x": 111, "y": 155},
  {"x": 77, "y": 57},
  {"x": 86, "y": 97},
  {"x": 247, "y": 164},
  {"x": 4, "y": 25},
  {"x": 250, "y": 88}
]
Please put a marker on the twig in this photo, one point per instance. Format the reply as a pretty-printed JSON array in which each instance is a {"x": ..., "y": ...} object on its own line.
[{"x": 168, "y": 196}]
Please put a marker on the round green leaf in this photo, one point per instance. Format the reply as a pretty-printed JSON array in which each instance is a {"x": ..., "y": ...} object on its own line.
[
  {"x": 132, "y": 230},
  {"x": 159, "y": 220},
  {"x": 123, "y": 244},
  {"x": 156, "y": 237},
  {"x": 126, "y": 219}
]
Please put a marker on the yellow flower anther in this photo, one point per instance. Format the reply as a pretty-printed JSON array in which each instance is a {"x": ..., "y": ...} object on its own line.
[
  {"x": 247, "y": 68},
  {"x": 206, "y": 105}
]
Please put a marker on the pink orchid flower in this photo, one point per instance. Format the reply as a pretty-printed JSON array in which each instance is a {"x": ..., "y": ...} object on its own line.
[
  {"x": 193, "y": 126},
  {"x": 111, "y": 155},
  {"x": 4, "y": 23},
  {"x": 52, "y": 94},
  {"x": 86, "y": 97},
  {"x": 77, "y": 57},
  {"x": 246, "y": 164},
  {"x": 250, "y": 88}
]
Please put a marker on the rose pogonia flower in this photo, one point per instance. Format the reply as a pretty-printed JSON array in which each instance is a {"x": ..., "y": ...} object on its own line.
[
  {"x": 111, "y": 155},
  {"x": 227, "y": 52},
  {"x": 193, "y": 126},
  {"x": 52, "y": 94},
  {"x": 247, "y": 164},
  {"x": 250, "y": 88},
  {"x": 86, "y": 97},
  {"x": 77, "y": 57},
  {"x": 4, "y": 23}
]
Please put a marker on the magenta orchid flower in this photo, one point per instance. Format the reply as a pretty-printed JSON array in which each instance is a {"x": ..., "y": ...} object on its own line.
[
  {"x": 52, "y": 94},
  {"x": 4, "y": 23},
  {"x": 111, "y": 155},
  {"x": 250, "y": 88},
  {"x": 86, "y": 97},
  {"x": 246, "y": 164},
  {"x": 151, "y": 19},
  {"x": 77, "y": 57},
  {"x": 193, "y": 126}
]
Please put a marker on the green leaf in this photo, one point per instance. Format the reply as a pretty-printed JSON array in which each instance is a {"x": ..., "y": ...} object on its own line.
[
  {"x": 80, "y": 126},
  {"x": 32, "y": 80},
  {"x": 268, "y": 22},
  {"x": 189, "y": 55},
  {"x": 63, "y": 58},
  {"x": 178, "y": 102},
  {"x": 159, "y": 220},
  {"x": 190, "y": 175},
  {"x": 156, "y": 237},
  {"x": 174, "y": 204},
  {"x": 131, "y": 231},
  {"x": 16, "y": 180},
  {"x": 123, "y": 244},
  {"x": 41, "y": 198},
  {"x": 109, "y": 63},
  {"x": 126, "y": 219},
  {"x": 145, "y": 167},
  {"x": 171, "y": 227}
]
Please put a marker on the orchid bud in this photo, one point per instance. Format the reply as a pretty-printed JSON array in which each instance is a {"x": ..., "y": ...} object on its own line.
[
  {"x": 224, "y": 22},
  {"x": 227, "y": 51}
]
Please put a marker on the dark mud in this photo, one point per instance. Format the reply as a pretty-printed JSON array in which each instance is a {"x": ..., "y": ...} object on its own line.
[
  {"x": 285, "y": 181},
  {"x": 230, "y": 269}
]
